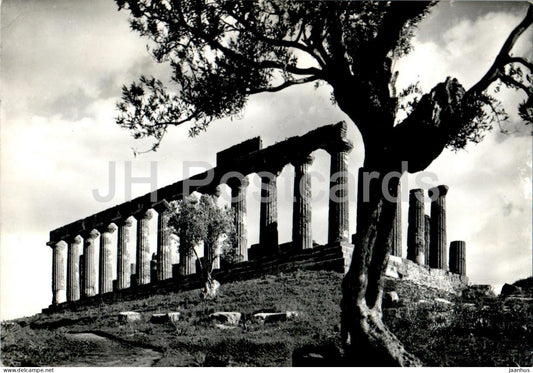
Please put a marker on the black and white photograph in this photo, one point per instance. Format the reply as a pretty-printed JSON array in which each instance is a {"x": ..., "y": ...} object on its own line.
[{"x": 267, "y": 183}]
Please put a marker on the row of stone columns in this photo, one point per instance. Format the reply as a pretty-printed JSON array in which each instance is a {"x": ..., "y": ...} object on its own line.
[
  {"x": 427, "y": 246},
  {"x": 426, "y": 235},
  {"x": 80, "y": 279},
  {"x": 338, "y": 228},
  {"x": 85, "y": 285}
]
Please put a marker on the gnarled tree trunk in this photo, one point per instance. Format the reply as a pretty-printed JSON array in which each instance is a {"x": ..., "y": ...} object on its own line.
[
  {"x": 211, "y": 286},
  {"x": 367, "y": 340},
  {"x": 418, "y": 140}
]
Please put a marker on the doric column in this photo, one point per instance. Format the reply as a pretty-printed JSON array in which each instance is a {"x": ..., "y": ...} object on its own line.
[
  {"x": 397, "y": 226},
  {"x": 238, "y": 205},
  {"x": 89, "y": 263},
  {"x": 338, "y": 222},
  {"x": 427, "y": 238},
  {"x": 415, "y": 229},
  {"x": 164, "y": 254},
  {"x": 301, "y": 211},
  {"x": 212, "y": 254},
  {"x": 268, "y": 214},
  {"x": 73, "y": 274},
  {"x": 458, "y": 257},
  {"x": 59, "y": 250},
  {"x": 143, "y": 247},
  {"x": 437, "y": 246},
  {"x": 105, "y": 282},
  {"x": 123, "y": 256}
]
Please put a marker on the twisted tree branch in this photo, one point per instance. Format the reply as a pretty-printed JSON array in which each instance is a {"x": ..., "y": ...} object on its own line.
[
  {"x": 522, "y": 61},
  {"x": 286, "y": 84},
  {"x": 503, "y": 57}
]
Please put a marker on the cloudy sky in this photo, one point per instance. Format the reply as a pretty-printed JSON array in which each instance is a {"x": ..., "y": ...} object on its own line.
[{"x": 62, "y": 66}]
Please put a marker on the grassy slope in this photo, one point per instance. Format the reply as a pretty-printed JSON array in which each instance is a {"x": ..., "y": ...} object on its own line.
[{"x": 441, "y": 335}]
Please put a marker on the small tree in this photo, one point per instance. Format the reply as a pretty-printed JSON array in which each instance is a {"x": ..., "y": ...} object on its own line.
[{"x": 195, "y": 220}]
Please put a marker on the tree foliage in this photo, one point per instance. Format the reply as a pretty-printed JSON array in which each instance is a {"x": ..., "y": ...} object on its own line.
[
  {"x": 221, "y": 52},
  {"x": 196, "y": 220}
]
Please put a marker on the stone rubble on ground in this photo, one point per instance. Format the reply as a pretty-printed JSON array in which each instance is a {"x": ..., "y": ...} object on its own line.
[
  {"x": 174, "y": 317},
  {"x": 161, "y": 318},
  {"x": 224, "y": 327},
  {"x": 129, "y": 316},
  {"x": 267, "y": 317},
  {"x": 443, "y": 301}
]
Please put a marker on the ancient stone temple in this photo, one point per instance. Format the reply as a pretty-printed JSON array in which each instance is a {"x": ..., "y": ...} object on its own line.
[
  {"x": 233, "y": 165},
  {"x": 82, "y": 265}
]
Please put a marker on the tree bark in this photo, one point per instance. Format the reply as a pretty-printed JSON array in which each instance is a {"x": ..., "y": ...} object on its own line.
[
  {"x": 211, "y": 285},
  {"x": 210, "y": 290},
  {"x": 367, "y": 340},
  {"x": 418, "y": 140}
]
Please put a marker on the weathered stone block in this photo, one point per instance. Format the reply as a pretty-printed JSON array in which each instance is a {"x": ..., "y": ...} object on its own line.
[
  {"x": 162, "y": 318},
  {"x": 174, "y": 317},
  {"x": 268, "y": 317},
  {"x": 227, "y": 318},
  {"x": 432, "y": 277},
  {"x": 129, "y": 316},
  {"x": 222, "y": 326},
  {"x": 443, "y": 301},
  {"x": 347, "y": 253}
]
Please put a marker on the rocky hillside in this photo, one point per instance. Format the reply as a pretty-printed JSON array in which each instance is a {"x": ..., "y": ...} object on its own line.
[
  {"x": 521, "y": 288},
  {"x": 181, "y": 329}
]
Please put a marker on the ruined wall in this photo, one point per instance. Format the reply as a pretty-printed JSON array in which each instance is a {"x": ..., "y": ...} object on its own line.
[{"x": 404, "y": 269}]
